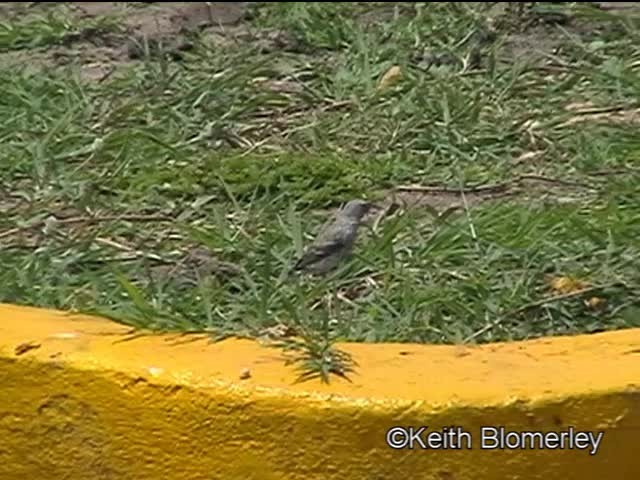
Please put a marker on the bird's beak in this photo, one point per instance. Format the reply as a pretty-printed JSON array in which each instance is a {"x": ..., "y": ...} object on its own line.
[{"x": 372, "y": 207}]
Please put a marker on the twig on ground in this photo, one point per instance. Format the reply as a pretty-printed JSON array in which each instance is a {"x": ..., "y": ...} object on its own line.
[
  {"x": 613, "y": 171},
  {"x": 502, "y": 187},
  {"x": 497, "y": 188},
  {"x": 542, "y": 178}
]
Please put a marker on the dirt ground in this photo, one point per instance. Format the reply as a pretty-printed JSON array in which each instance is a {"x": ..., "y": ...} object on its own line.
[{"x": 98, "y": 53}]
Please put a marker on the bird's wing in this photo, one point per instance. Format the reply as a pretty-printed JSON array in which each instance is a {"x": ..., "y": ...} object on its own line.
[
  {"x": 317, "y": 252},
  {"x": 329, "y": 241}
]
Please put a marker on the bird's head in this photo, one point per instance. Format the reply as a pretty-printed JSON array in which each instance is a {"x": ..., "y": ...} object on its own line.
[{"x": 356, "y": 209}]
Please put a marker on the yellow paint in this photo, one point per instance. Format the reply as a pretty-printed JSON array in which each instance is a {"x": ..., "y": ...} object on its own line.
[{"x": 78, "y": 402}]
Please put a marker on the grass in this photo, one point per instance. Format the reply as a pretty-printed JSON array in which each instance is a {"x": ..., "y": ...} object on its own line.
[
  {"x": 53, "y": 26},
  {"x": 242, "y": 150}
]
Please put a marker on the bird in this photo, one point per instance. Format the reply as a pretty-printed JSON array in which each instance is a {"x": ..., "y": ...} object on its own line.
[{"x": 335, "y": 240}]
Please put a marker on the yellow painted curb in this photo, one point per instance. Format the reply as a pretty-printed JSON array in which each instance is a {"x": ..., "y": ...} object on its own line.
[{"x": 77, "y": 402}]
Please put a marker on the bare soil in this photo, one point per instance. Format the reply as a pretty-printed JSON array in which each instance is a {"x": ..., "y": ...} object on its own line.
[{"x": 98, "y": 53}]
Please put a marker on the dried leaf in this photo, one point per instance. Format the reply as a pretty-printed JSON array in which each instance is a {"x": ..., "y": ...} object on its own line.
[
  {"x": 596, "y": 303},
  {"x": 566, "y": 285},
  {"x": 390, "y": 78}
]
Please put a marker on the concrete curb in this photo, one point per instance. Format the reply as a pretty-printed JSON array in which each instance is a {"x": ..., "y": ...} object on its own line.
[{"x": 78, "y": 402}]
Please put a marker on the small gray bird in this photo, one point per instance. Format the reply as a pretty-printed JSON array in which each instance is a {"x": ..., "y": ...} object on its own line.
[{"x": 335, "y": 241}]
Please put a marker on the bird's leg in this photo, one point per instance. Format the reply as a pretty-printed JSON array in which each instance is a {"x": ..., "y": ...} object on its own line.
[{"x": 329, "y": 303}]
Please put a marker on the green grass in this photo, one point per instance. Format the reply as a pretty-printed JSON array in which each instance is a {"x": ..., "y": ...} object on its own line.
[
  {"x": 52, "y": 26},
  {"x": 248, "y": 172}
]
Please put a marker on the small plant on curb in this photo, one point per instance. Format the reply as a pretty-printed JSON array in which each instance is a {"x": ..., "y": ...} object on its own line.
[{"x": 317, "y": 358}]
